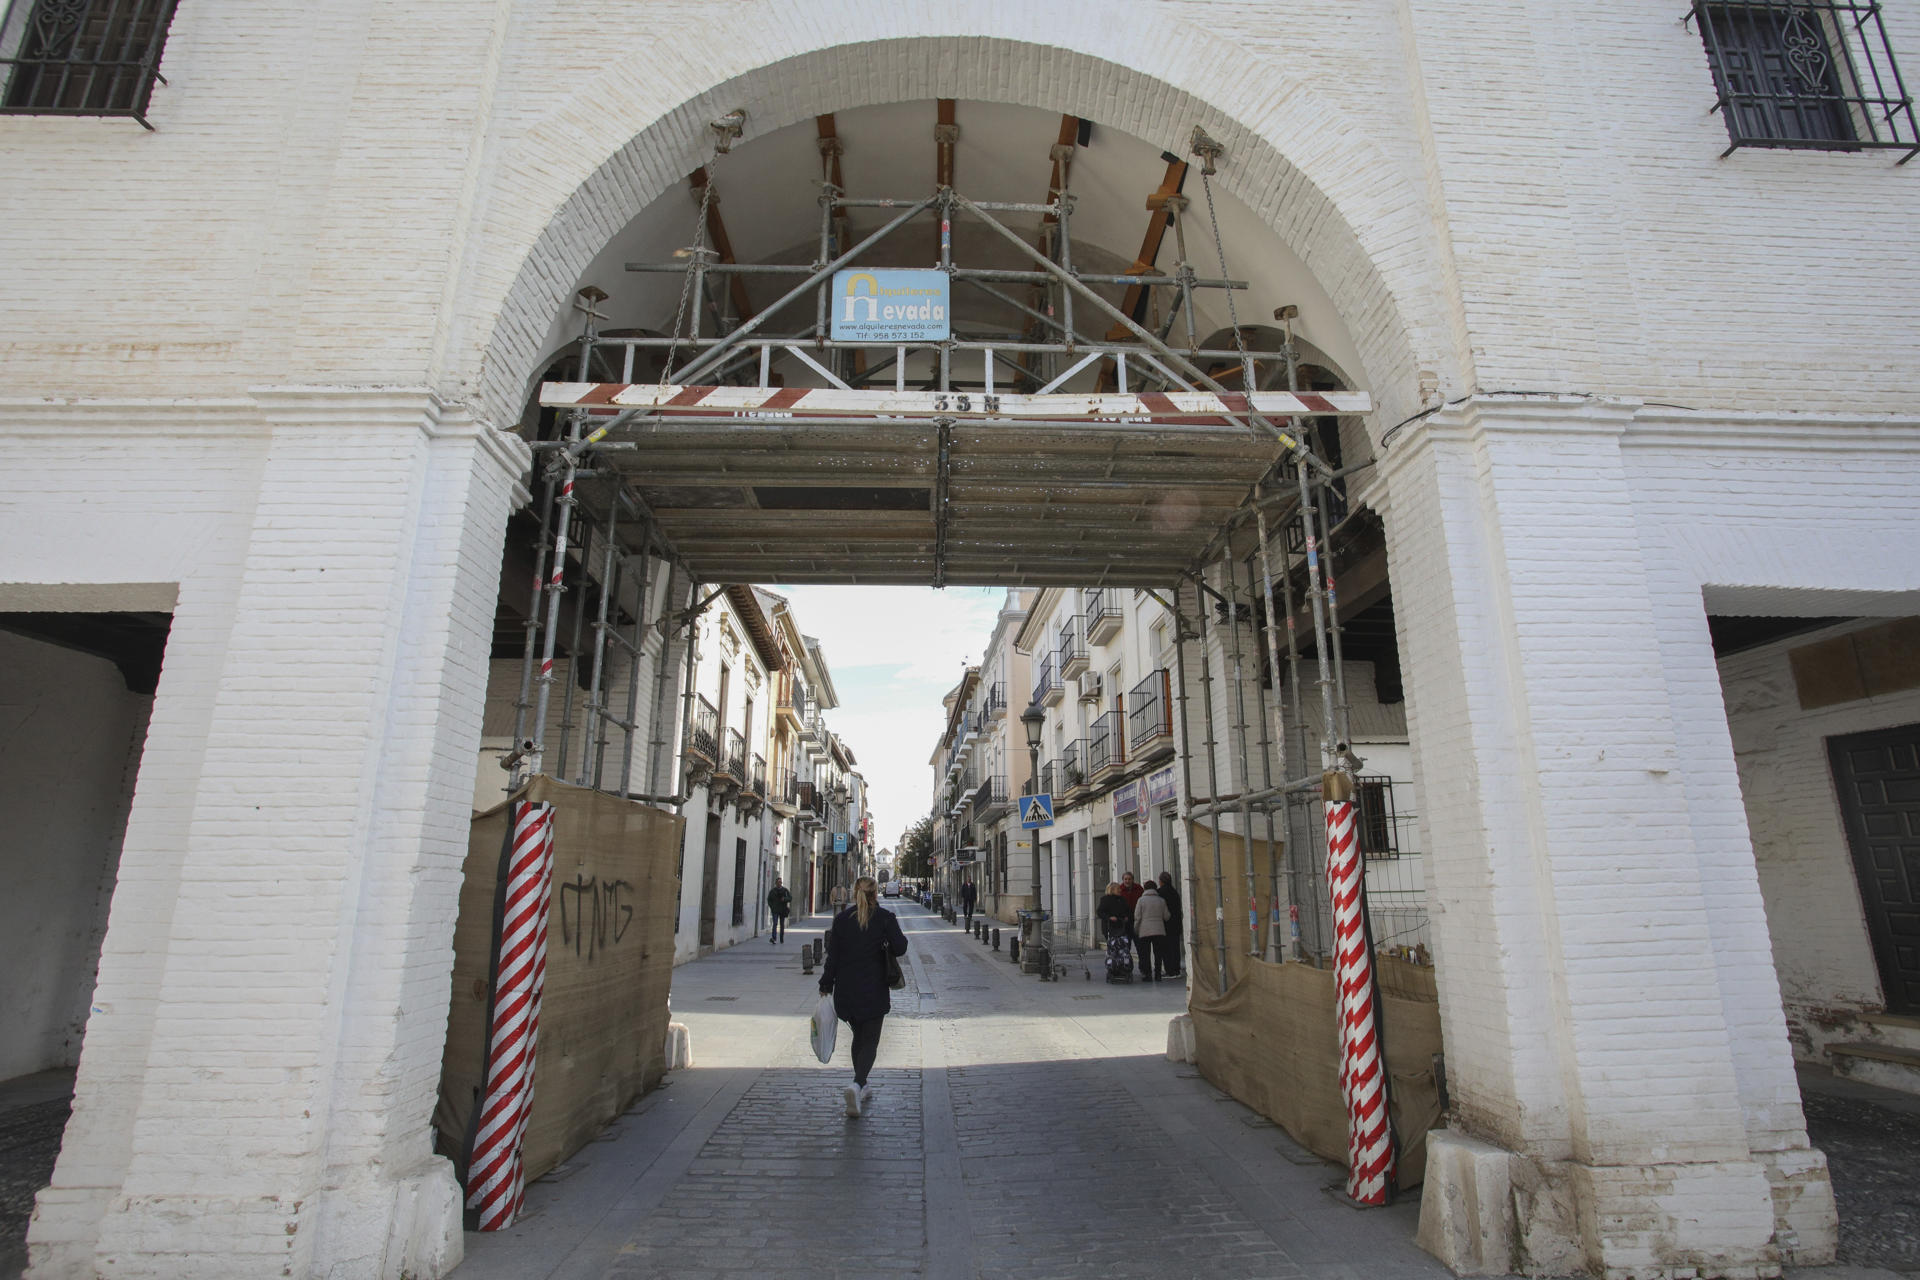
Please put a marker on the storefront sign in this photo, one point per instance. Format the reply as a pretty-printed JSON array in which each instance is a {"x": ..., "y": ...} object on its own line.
[
  {"x": 1161, "y": 788},
  {"x": 1127, "y": 799},
  {"x": 890, "y": 306},
  {"x": 839, "y": 842}
]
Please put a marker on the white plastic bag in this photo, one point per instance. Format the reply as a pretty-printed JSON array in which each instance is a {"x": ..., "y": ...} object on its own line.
[{"x": 825, "y": 1024}]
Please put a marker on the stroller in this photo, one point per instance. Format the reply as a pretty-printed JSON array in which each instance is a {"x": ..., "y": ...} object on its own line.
[{"x": 1119, "y": 958}]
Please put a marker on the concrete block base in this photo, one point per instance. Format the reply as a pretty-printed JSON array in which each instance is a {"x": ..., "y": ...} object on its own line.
[
  {"x": 1180, "y": 1045},
  {"x": 679, "y": 1046},
  {"x": 1466, "y": 1205},
  {"x": 1806, "y": 1225},
  {"x": 1487, "y": 1211}
]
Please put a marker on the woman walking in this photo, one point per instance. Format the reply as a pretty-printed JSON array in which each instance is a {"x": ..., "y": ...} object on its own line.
[{"x": 860, "y": 943}]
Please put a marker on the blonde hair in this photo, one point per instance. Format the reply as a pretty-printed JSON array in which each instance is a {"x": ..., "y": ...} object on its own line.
[
  {"x": 866, "y": 899},
  {"x": 1113, "y": 886}
]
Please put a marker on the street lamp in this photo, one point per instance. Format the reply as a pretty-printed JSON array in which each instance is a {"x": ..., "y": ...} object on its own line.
[{"x": 1034, "y": 720}]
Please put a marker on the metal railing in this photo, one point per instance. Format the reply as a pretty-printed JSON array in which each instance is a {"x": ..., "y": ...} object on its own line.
[
  {"x": 1149, "y": 710},
  {"x": 1073, "y": 644},
  {"x": 758, "y": 783},
  {"x": 1049, "y": 774},
  {"x": 1816, "y": 74},
  {"x": 994, "y": 701},
  {"x": 706, "y": 731},
  {"x": 1100, "y": 606},
  {"x": 736, "y": 765},
  {"x": 1073, "y": 764},
  {"x": 82, "y": 57},
  {"x": 991, "y": 794},
  {"x": 1106, "y": 743},
  {"x": 1046, "y": 682}
]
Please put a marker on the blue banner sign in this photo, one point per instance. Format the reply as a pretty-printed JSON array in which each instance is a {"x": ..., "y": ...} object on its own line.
[
  {"x": 892, "y": 305},
  {"x": 1127, "y": 799},
  {"x": 839, "y": 842},
  {"x": 1160, "y": 787}
]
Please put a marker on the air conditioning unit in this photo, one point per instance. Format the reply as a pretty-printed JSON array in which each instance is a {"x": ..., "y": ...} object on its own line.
[{"x": 1092, "y": 688}]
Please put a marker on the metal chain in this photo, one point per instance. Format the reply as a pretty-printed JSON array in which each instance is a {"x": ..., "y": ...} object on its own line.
[
  {"x": 682, "y": 315},
  {"x": 1220, "y": 252}
]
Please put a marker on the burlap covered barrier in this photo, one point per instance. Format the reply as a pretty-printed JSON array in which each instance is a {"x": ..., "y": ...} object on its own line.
[
  {"x": 1271, "y": 1040},
  {"x": 603, "y": 1019}
]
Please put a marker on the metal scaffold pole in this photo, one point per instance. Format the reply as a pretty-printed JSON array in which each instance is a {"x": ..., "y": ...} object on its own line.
[
  {"x": 1243, "y": 775},
  {"x": 1213, "y": 789},
  {"x": 1186, "y": 763}
]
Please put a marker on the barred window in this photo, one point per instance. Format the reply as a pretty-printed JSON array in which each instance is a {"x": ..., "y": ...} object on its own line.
[
  {"x": 1814, "y": 74},
  {"x": 81, "y": 57}
]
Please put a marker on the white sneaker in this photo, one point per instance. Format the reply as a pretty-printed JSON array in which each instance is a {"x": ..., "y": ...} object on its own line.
[
  {"x": 866, "y": 1096},
  {"x": 852, "y": 1097}
]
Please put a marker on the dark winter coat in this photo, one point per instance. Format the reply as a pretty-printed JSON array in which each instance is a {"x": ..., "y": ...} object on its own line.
[
  {"x": 968, "y": 895},
  {"x": 1171, "y": 896},
  {"x": 1115, "y": 915},
  {"x": 856, "y": 968},
  {"x": 779, "y": 900}
]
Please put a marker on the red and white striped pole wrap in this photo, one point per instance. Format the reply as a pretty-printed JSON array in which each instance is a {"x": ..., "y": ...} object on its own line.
[
  {"x": 1363, "y": 1080},
  {"x": 496, "y": 1185}
]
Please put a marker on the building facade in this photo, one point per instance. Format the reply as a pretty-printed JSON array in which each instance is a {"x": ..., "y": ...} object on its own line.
[{"x": 1634, "y": 370}]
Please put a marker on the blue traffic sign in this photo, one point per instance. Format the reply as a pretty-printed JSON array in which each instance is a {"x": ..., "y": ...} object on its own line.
[{"x": 1036, "y": 811}]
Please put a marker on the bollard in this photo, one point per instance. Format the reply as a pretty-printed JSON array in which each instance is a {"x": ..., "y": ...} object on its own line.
[
  {"x": 1013, "y": 948},
  {"x": 806, "y": 960},
  {"x": 819, "y": 948},
  {"x": 996, "y": 939}
]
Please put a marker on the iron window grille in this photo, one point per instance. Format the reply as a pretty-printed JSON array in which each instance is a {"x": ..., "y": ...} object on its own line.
[
  {"x": 1374, "y": 820},
  {"x": 82, "y": 57},
  {"x": 1811, "y": 74}
]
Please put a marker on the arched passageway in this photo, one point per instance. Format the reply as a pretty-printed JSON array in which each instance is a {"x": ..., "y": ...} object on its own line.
[{"x": 1551, "y": 553}]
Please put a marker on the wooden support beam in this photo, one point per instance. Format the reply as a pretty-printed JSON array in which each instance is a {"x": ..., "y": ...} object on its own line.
[
  {"x": 723, "y": 248},
  {"x": 1160, "y": 217}
]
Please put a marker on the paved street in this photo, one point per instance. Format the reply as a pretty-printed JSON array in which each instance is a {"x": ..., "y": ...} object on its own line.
[{"x": 1019, "y": 1129}]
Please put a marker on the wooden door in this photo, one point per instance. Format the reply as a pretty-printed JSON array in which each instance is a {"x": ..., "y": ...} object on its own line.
[{"x": 1877, "y": 778}]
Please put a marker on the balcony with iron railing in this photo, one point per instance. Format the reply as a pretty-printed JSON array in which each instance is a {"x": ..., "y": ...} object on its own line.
[
  {"x": 1106, "y": 745},
  {"x": 993, "y": 702},
  {"x": 990, "y": 800},
  {"x": 706, "y": 732},
  {"x": 814, "y": 725},
  {"x": 1049, "y": 775},
  {"x": 1073, "y": 766},
  {"x": 790, "y": 702},
  {"x": 1072, "y": 650},
  {"x": 735, "y": 764},
  {"x": 1150, "y": 716},
  {"x": 757, "y": 784},
  {"x": 1047, "y": 689},
  {"x": 1102, "y": 616}
]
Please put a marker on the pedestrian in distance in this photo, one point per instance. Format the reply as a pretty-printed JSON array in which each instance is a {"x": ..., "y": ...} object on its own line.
[
  {"x": 968, "y": 896},
  {"x": 1150, "y": 927},
  {"x": 780, "y": 903},
  {"x": 1114, "y": 913},
  {"x": 1116, "y": 926},
  {"x": 1131, "y": 889},
  {"x": 838, "y": 897},
  {"x": 1176, "y": 925},
  {"x": 861, "y": 942}
]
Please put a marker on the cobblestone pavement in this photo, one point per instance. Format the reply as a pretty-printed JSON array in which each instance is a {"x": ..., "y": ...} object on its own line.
[
  {"x": 1872, "y": 1139},
  {"x": 1020, "y": 1129}
]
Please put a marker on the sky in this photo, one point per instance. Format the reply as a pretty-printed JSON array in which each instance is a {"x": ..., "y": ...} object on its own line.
[{"x": 893, "y": 653}]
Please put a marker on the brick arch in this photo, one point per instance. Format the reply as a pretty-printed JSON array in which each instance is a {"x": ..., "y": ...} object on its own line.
[{"x": 636, "y": 129}]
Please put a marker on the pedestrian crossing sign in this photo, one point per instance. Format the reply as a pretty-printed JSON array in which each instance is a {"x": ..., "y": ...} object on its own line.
[{"x": 1036, "y": 811}]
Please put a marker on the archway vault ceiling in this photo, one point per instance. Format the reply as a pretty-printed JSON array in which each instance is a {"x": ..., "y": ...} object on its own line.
[{"x": 984, "y": 503}]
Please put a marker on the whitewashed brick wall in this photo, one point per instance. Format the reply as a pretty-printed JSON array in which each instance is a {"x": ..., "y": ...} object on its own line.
[{"x": 1523, "y": 195}]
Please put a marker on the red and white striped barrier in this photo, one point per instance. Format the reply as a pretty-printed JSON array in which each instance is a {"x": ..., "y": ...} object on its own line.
[
  {"x": 1203, "y": 407},
  {"x": 496, "y": 1183},
  {"x": 1363, "y": 1078}
]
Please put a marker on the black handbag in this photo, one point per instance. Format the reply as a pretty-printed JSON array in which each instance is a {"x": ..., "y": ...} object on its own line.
[{"x": 896, "y": 976}]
